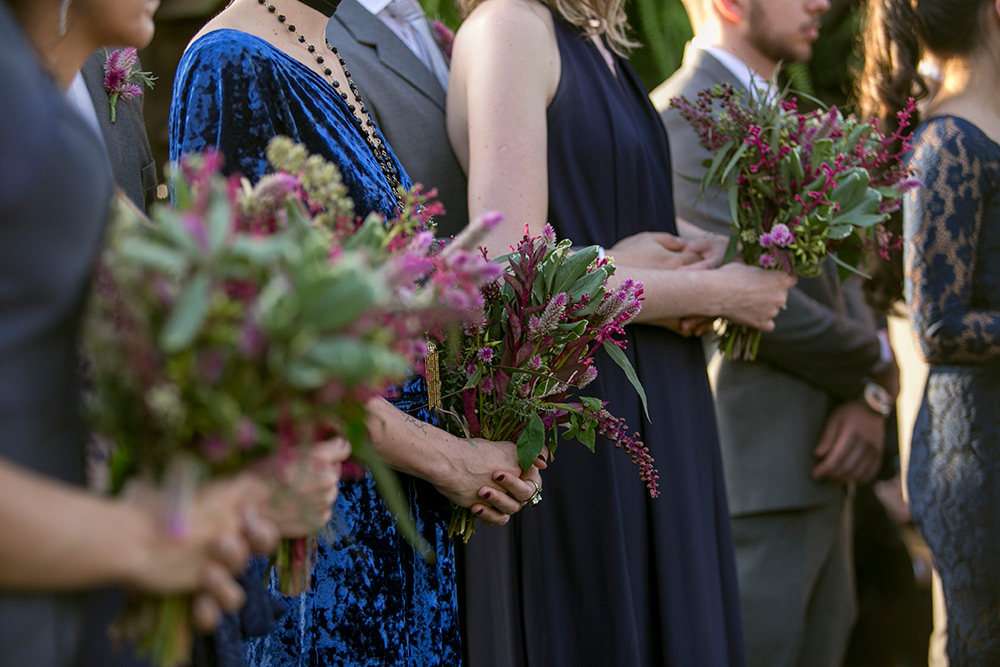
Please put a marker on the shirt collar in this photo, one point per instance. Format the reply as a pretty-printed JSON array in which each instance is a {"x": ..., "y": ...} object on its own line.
[
  {"x": 732, "y": 62},
  {"x": 374, "y": 6}
]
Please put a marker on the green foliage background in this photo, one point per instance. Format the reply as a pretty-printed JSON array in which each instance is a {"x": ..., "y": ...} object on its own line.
[{"x": 663, "y": 28}]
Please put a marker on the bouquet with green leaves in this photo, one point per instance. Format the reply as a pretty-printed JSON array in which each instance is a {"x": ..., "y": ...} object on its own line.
[
  {"x": 246, "y": 322},
  {"x": 513, "y": 374},
  {"x": 801, "y": 186}
]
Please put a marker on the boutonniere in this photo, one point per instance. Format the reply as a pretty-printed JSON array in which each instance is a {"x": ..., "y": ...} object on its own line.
[
  {"x": 445, "y": 36},
  {"x": 122, "y": 77}
]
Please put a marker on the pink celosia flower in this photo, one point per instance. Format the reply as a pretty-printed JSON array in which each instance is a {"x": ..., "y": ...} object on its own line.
[{"x": 122, "y": 77}]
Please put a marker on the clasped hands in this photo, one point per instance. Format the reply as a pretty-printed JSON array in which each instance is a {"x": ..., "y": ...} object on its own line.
[
  {"x": 484, "y": 476},
  {"x": 229, "y": 519}
]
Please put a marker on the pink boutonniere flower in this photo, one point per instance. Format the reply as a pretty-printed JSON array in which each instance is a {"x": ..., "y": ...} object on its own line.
[
  {"x": 445, "y": 36},
  {"x": 122, "y": 77}
]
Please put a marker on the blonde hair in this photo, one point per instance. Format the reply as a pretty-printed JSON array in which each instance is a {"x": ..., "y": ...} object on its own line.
[{"x": 598, "y": 18}]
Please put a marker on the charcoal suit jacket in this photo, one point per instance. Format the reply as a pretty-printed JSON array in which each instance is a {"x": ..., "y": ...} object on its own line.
[
  {"x": 772, "y": 411},
  {"x": 125, "y": 139},
  {"x": 408, "y": 104}
]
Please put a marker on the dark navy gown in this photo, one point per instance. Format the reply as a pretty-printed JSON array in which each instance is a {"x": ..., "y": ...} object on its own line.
[
  {"x": 953, "y": 294},
  {"x": 374, "y": 600},
  {"x": 598, "y": 573}
]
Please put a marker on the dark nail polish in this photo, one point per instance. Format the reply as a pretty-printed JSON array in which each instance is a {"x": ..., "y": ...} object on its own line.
[
  {"x": 501, "y": 477},
  {"x": 479, "y": 512}
]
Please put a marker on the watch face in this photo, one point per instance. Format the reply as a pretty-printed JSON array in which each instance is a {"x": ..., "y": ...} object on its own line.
[{"x": 878, "y": 399}]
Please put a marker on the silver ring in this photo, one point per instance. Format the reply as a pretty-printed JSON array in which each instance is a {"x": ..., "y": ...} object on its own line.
[{"x": 536, "y": 497}]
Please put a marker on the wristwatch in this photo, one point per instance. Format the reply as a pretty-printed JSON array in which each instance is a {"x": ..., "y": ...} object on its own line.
[{"x": 878, "y": 398}]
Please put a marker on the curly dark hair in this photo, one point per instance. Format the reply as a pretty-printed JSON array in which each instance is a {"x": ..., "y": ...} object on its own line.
[{"x": 897, "y": 35}]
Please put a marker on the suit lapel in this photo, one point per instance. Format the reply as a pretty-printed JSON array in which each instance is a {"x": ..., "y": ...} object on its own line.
[
  {"x": 93, "y": 76},
  {"x": 391, "y": 51},
  {"x": 704, "y": 62}
]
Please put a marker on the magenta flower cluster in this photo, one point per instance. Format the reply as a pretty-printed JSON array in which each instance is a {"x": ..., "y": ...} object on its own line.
[
  {"x": 803, "y": 185},
  {"x": 514, "y": 375},
  {"x": 122, "y": 78}
]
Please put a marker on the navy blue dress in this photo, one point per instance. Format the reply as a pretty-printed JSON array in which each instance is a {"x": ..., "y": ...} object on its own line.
[
  {"x": 953, "y": 294},
  {"x": 374, "y": 600},
  {"x": 599, "y": 573}
]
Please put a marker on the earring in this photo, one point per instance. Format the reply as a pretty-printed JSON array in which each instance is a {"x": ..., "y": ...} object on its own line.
[{"x": 63, "y": 12}]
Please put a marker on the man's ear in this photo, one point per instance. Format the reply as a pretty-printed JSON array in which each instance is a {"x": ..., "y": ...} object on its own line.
[{"x": 732, "y": 10}]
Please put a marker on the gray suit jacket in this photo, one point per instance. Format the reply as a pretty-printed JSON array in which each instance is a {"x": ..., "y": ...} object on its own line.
[
  {"x": 772, "y": 411},
  {"x": 126, "y": 140},
  {"x": 408, "y": 104}
]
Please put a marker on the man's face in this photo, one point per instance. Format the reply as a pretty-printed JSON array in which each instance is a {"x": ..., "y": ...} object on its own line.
[{"x": 784, "y": 29}]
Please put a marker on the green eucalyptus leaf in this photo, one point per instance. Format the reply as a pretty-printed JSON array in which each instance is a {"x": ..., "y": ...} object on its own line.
[
  {"x": 259, "y": 250},
  {"x": 188, "y": 315},
  {"x": 170, "y": 226},
  {"x": 341, "y": 300},
  {"x": 305, "y": 374},
  {"x": 355, "y": 361},
  {"x": 218, "y": 221},
  {"x": 154, "y": 256}
]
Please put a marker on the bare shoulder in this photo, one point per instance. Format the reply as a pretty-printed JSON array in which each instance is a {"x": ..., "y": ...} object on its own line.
[
  {"x": 513, "y": 38},
  {"x": 520, "y": 24},
  {"x": 235, "y": 18}
]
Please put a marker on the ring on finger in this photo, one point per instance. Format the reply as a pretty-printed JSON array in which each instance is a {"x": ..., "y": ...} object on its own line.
[{"x": 536, "y": 497}]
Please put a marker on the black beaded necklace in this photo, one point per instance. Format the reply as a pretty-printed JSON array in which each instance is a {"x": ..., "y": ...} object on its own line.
[{"x": 366, "y": 126}]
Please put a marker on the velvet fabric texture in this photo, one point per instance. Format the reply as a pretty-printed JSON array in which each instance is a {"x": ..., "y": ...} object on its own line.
[{"x": 374, "y": 601}]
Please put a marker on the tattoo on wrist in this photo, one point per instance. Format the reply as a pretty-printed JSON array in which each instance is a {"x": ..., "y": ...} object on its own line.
[{"x": 422, "y": 426}]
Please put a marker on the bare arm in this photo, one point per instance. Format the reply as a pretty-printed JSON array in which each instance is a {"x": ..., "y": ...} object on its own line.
[
  {"x": 61, "y": 538},
  {"x": 505, "y": 72},
  {"x": 465, "y": 470}
]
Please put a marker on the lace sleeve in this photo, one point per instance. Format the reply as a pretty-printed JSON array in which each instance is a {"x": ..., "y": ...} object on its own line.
[{"x": 944, "y": 222}]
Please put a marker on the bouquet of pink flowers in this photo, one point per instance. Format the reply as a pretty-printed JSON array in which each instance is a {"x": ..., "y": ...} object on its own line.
[
  {"x": 512, "y": 375},
  {"x": 800, "y": 186},
  {"x": 244, "y": 323}
]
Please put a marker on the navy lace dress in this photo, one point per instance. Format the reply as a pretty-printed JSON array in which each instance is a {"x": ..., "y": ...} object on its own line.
[
  {"x": 374, "y": 600},
  {"x": 953, "y": 295},
  {"x": 599, "y": 573}
]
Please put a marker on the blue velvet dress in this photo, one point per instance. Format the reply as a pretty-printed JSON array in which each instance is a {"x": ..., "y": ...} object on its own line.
[
  {"x": 374, "y": 601},
  {"x": 953, "y": 295},
  {"x": 599, "y": 573}
]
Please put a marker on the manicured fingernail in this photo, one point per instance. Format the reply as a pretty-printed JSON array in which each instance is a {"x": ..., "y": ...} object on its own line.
[
  {"x": 479, "y": 512},
  {"x": 485, "y": 493},
  {"x": 500, "y": 477}
]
